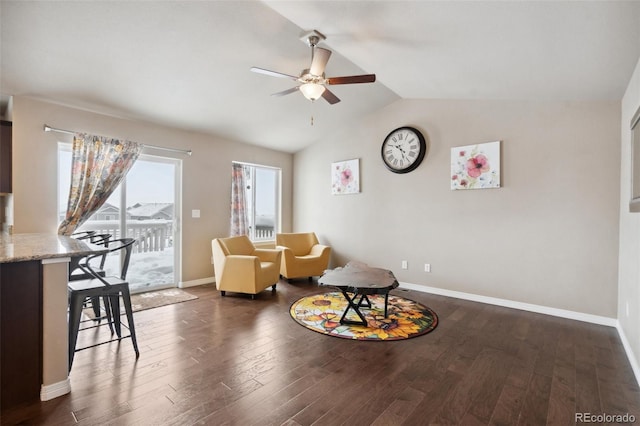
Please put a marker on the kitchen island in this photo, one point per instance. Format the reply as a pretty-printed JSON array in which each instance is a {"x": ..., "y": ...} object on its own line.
[{"x": 33, "y": 315}]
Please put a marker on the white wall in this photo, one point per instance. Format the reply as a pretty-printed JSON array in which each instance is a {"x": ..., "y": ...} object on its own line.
[
  {"x": 548, "y": 237},
  {"x": 206, "y": 176},
  {"x": 629, "y": 264}
]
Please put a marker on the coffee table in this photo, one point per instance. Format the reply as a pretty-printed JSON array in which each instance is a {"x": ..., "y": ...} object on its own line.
[{"x": 358, "y": 279}]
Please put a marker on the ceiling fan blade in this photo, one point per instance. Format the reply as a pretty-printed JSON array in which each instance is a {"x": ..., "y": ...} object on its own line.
[
  {"x": 330, "y": 97},
  {"x": 273, "y": 73},
  {"x": 286, "y": 92},
  {"x": 319, "y": 62},
  {"x": 351, "y": 79}
]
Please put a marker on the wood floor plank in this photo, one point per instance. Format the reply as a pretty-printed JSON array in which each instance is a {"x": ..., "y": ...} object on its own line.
[
  {"x": 437, "y": 389},
  {"x": 508, "y": 406},
  {"x": 535, "y": 407},
  {"x": 346, "y": 380},
  {"x": 236, "y": 361},
  {"x": 400, "y": 408},
  {"x": 478, "y": 391}
]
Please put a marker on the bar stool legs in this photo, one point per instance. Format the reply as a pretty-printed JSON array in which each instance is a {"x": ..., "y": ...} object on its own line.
[
  {"x": 75, "y": 312},
  {"x": 114, "y": 320}
]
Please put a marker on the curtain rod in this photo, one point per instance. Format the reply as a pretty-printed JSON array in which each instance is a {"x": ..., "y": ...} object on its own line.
[{"x": 48, "y": 128}]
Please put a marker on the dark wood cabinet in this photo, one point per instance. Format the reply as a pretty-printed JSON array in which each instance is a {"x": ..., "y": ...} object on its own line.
[
  {"x": 20, "y": 332},
  {"x": 5, "y": 156}
]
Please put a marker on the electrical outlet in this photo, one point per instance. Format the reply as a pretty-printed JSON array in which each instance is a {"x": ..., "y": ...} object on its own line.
[
  {"x": 405, "y": 265},
  {"x": 427, "y": 267}
]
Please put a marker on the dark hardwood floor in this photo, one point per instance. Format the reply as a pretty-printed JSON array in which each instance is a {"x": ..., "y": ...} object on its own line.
[{"x": 239, "y": 361}]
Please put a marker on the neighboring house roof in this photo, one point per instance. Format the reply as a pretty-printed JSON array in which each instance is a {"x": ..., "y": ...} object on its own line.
[
  {"x": 151, "y": 209},
  {"x": 106, "y": 207}
]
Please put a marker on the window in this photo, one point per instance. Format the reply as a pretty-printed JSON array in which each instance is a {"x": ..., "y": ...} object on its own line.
[{"x": 262, "y": 194}]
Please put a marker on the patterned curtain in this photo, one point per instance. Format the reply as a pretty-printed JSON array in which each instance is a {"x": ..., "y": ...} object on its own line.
[
  {"x": 98, "y": 165},
  {"x": 239, "y": 223}
]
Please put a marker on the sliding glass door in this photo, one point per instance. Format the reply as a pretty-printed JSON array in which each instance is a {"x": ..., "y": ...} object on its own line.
[
  {"x": 150, "y": 197},
  {"x": 145, "y": 207}
]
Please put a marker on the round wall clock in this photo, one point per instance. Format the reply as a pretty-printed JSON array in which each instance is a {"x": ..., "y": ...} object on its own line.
[{"x": 403, "y": 149}]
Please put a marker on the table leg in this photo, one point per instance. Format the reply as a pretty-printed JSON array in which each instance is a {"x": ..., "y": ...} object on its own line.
[
  {"x": 363, "y": 298},
  {"x": 386, "y": 303},
  {"x": 356, "y": 308}
]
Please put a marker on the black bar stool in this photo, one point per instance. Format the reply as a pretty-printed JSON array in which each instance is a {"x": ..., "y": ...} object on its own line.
[{"x": 110, "y": 289}]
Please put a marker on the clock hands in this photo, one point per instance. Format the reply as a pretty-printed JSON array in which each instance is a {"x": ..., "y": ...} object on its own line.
[{"x": 402, "y": 151}]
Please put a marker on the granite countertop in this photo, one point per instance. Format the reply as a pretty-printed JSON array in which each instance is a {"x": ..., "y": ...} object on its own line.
[{"x": 23, "y": 247}]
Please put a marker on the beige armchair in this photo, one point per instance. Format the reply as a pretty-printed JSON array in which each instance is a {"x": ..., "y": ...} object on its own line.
[
  {"x": 240, "y": 267},
  {"x": 302, "y": 255}
]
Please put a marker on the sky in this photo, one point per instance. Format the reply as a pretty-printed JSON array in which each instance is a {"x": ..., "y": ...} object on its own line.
[{"x": 265, "y": 198}]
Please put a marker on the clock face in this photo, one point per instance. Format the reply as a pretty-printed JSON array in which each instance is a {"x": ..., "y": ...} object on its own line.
[{"x": 403, "y": 150}]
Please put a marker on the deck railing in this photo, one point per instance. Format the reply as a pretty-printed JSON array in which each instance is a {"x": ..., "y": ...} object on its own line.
[
  {"x": 154, "y": 234},
  {"x": 264, "y": 233},
  {"x": 151, "y": 235}
]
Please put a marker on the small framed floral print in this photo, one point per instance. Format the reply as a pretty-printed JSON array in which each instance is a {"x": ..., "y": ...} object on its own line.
[
  {"x": 475, "y": 166},
  {"x": 345, "y": 177}
]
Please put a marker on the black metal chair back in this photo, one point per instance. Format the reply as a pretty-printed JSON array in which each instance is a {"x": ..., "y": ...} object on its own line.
[
  {"x": 101, "y": 240},
  {"x": 83, "y": 235},
  {"x": 114, "y": 246}
]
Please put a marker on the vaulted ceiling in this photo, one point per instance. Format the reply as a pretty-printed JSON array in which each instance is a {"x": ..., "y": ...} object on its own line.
[{"x": 186, "y": 63}]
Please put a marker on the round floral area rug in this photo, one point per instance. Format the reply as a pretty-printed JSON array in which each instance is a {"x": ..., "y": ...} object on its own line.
[{"x": 405, "y": 318}]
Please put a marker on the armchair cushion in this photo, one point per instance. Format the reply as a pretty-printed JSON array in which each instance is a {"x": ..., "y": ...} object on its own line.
[
  {"x": 238, "y": 245},
  {"x": 240, "y": 267},
  {"x": 302, "y": 255}
]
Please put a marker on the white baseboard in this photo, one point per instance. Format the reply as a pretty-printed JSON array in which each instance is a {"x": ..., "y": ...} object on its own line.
[
  {"x": 193, "y": 283},
  {"x": 562, "y": 313},
  {"x": 629, "y": 351},
  {"x": 49, "y": 392}
]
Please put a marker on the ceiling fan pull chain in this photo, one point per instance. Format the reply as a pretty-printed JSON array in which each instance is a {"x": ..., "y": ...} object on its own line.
[{"x": 311, "y": 108}]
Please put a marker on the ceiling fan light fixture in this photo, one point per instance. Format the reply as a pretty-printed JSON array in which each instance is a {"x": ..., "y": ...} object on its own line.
[{"x": 312, "y": 91}]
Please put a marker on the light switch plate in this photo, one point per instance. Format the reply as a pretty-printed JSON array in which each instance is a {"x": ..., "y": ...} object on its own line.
[{"x": 195, "y": 213}]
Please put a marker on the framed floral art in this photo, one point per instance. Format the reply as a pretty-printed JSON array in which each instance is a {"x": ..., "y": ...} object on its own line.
[
  {"x": 345, "y": 177},
  {"x": 475, "y": 166}
]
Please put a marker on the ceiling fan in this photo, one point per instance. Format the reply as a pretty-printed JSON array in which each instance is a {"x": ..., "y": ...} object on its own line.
[{"x": 312, "y": 80}]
